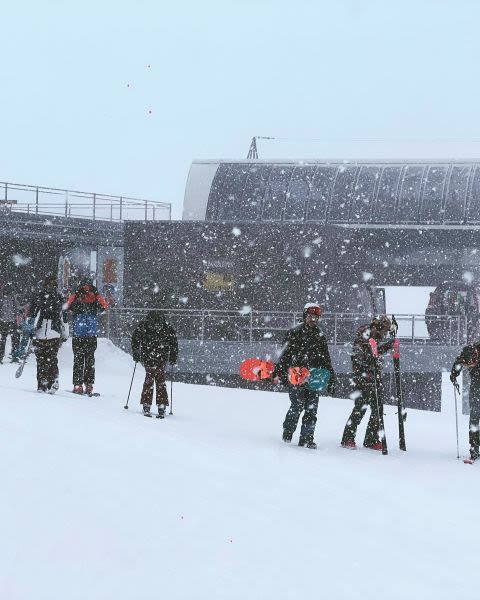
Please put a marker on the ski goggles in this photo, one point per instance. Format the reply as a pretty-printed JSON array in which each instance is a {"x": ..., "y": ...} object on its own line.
[{"x": 313, "y": 310}]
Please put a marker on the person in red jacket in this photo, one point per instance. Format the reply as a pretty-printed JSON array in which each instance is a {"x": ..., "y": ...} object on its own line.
[{"x": 86, "y": 303}]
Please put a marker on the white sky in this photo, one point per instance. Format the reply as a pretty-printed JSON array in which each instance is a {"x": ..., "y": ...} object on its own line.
[{"x": 215, "y": 73}]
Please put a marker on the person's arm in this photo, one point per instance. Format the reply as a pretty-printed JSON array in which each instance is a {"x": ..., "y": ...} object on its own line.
[
  {"x": 173, "y": 353},
  {"x": 137, "y": 344},
  {"x": 281, "y": 368},
  {"x": 103, "y": 303},
  {"x": 332, "y": 382},
  {"x": 70, "y": 301}
]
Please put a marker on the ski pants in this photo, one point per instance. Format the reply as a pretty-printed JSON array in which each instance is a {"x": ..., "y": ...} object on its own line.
[
  {"x": 84, "y": 359},
  {"x": 367, "y": 397},
  {"x": 154, "y": 376},
  {"x": 302, "y": 399},
  {"x": 46, "y": 352},
  {"x": 9, "y": 329},
  {"x": 474, "y": 425}
]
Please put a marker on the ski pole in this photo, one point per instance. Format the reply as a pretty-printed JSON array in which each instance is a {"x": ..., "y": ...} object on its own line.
[
  {"x": 131, "y": 383},
  {"x": 455, "y": 389},
  {"x": 380, "y": 422},
  {"x": 171, "y": 392}
]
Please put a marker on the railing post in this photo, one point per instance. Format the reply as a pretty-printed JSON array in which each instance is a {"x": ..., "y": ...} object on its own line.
[
  {"x": 146, "y": 210},
  {"x": 202, "y": 326},
  {"x": 66, "y": 203},
  {"x": 121, "y": 207},
  {"x": 6, "y": 192},
  {"x": 335, "y": 329},
  {"x": 251, "y": 326},
  {"x": 413, "y": 329},
  {"x": 36, "y": 200},
  {"x": 94, "y": 205}
]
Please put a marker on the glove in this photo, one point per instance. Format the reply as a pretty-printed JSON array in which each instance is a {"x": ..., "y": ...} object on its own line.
[
  {"x": 136, "y": 358},
  {"x": 453, "y": 376}
]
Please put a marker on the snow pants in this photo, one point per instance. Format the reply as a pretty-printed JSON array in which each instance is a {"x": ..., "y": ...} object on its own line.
[
  {"x": 367, "y": 397},
  {"x": 302, "y": 399},
  {"x": 84, "y": 359},
  {"x": 154, "y": 376},
  {"x": 474, "y": 425},
  {"x": 46, "y": 352},
  {"x": 9, "y": 329}
]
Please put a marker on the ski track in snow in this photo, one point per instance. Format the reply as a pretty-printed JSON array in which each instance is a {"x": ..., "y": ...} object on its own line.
[{"x": 100, "y": 503}]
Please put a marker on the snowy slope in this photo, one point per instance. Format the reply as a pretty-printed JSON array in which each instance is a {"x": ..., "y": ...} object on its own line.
[{"x": 99, "y": 503}]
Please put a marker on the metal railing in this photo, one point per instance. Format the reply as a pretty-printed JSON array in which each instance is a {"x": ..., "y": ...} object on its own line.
[
  {"x": 262, "y": 326},
  {"x": 37, "y": 200}
]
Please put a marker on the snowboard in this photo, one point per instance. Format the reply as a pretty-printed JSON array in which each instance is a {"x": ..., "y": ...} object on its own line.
[{"x": 318, "y": 380}]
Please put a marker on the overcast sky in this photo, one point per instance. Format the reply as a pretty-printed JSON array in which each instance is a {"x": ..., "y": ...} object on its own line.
[{"x": 119, "y": 97}]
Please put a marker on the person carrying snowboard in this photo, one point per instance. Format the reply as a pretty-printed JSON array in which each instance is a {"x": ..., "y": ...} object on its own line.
[
  {"x": 304, "y": 346},
  {"x": 154, "y": 343},
  {"x": 85, "y": 303},
  {"x": 367, "y": 378},
  {"x": 47, "y": 326},
  {"x": 470, "y": 358}
]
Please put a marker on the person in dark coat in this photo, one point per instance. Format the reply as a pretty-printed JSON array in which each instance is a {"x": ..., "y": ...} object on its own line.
[
  {"x": 304, "y": 346},
  {"x": 86, "y": 303},
  {"x": 154, "y": 344},
  {"x": 470, "y": 358},
  {"x": 367, "y": 378},
  {"x": 9, "y": 311},
  {"x": 47, "y": 323}
]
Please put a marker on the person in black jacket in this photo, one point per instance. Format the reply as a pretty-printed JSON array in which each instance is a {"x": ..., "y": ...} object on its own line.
[
  {"x": 304, "y": 346},
  {"x": 367, "y": 378},
  {"x": 470, "y": 358},
  {"x": 154, "y": 343},
  {"x": 47, "y": 325}
]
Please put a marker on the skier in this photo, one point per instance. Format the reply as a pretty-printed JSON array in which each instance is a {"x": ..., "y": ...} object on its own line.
[
  {"x": 367, "y": 378},
  {"x": 85, "y": 303},
  {"x": 9, "y": 309},
  {"x": 470, "y": 358},
  {"x": 47, "y": 325},
  {"x": 304, "y": 346},
  {"x": 154, "y": 343}
]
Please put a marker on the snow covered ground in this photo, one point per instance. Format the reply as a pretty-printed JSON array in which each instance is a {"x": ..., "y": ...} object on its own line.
[{"x": 99, "y": 503}]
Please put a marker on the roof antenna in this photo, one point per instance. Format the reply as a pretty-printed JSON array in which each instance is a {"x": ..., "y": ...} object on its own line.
[{"x": 252, "y": 151}]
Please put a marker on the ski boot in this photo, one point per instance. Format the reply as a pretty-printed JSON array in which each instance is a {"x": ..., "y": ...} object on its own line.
[
  {"x": 376, "y": 446},
  {"x": 146, "y": 410},
  {"x": 78, "y": 389},
  {"x": 287, "y": 436},
  {"x": 54, "y": 387},
  {"x": 89, "y": 388},
  {"x": 310, "y": 444},
  {"x": 161, "y": 412},
  {"x": 350, "y": 444}
]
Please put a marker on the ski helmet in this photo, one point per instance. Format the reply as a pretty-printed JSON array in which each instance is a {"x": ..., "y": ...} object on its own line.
[
  {"x": 311, "y": 308},
  {"x": 382, "y": 323}
]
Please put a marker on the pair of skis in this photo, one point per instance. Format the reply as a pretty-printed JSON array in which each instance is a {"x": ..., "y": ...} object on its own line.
[{"x": 401, "y": 412}]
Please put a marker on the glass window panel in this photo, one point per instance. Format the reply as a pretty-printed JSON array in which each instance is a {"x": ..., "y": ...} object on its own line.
[
  {"x": 342, "y": 195},
  {"x": 215, "y": 193},
  {"x": 364, "y": 194},
  {"x": 433, "y": 195},
  {"x": 474, "y": 198},
  {"x": 254, "y": 191},
  {"x": 298, "y": 192},
  {"x": 408, "y": 205},
  {"x": 320, "y": 193},
  {"x": 456, "y": 194},
  {"x": 387, "y": 195},
  {"x": 232, "y": 192},
  {"x": 276, "y": 193}
]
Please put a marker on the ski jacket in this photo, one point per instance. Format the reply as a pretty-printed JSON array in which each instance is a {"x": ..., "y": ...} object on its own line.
[
  {"x": 9, "y": 308},
  {"x": 470, "y": 358},
  {"x": 48, "y": 306},
  {"x": 303, "y": 346},
  {"x": 364, "y": 364},
  {"x": 154, "y": 342},
  {"x": 85, "y": 306}
]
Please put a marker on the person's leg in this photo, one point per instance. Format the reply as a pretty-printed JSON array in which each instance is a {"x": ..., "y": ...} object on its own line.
[
  {"x": 147, "y": 391},
  {"x": 310, "y": 399},
  {"x": 474, "y": 425},
  {"x": 41, "y": 356},
  {"x": 293, "y": 413},
  {"x": 372, "y": 434},
  {"x": 15, "y": 337},
  {"x": 359, "y": 409},
  {"x": 3, "y": 338},
  {"x": 51, "y": 352},
  {"x": 78, "y": 361},
  {"x": 90, "y": 345},
  {"x": 160, "y": 388}
]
